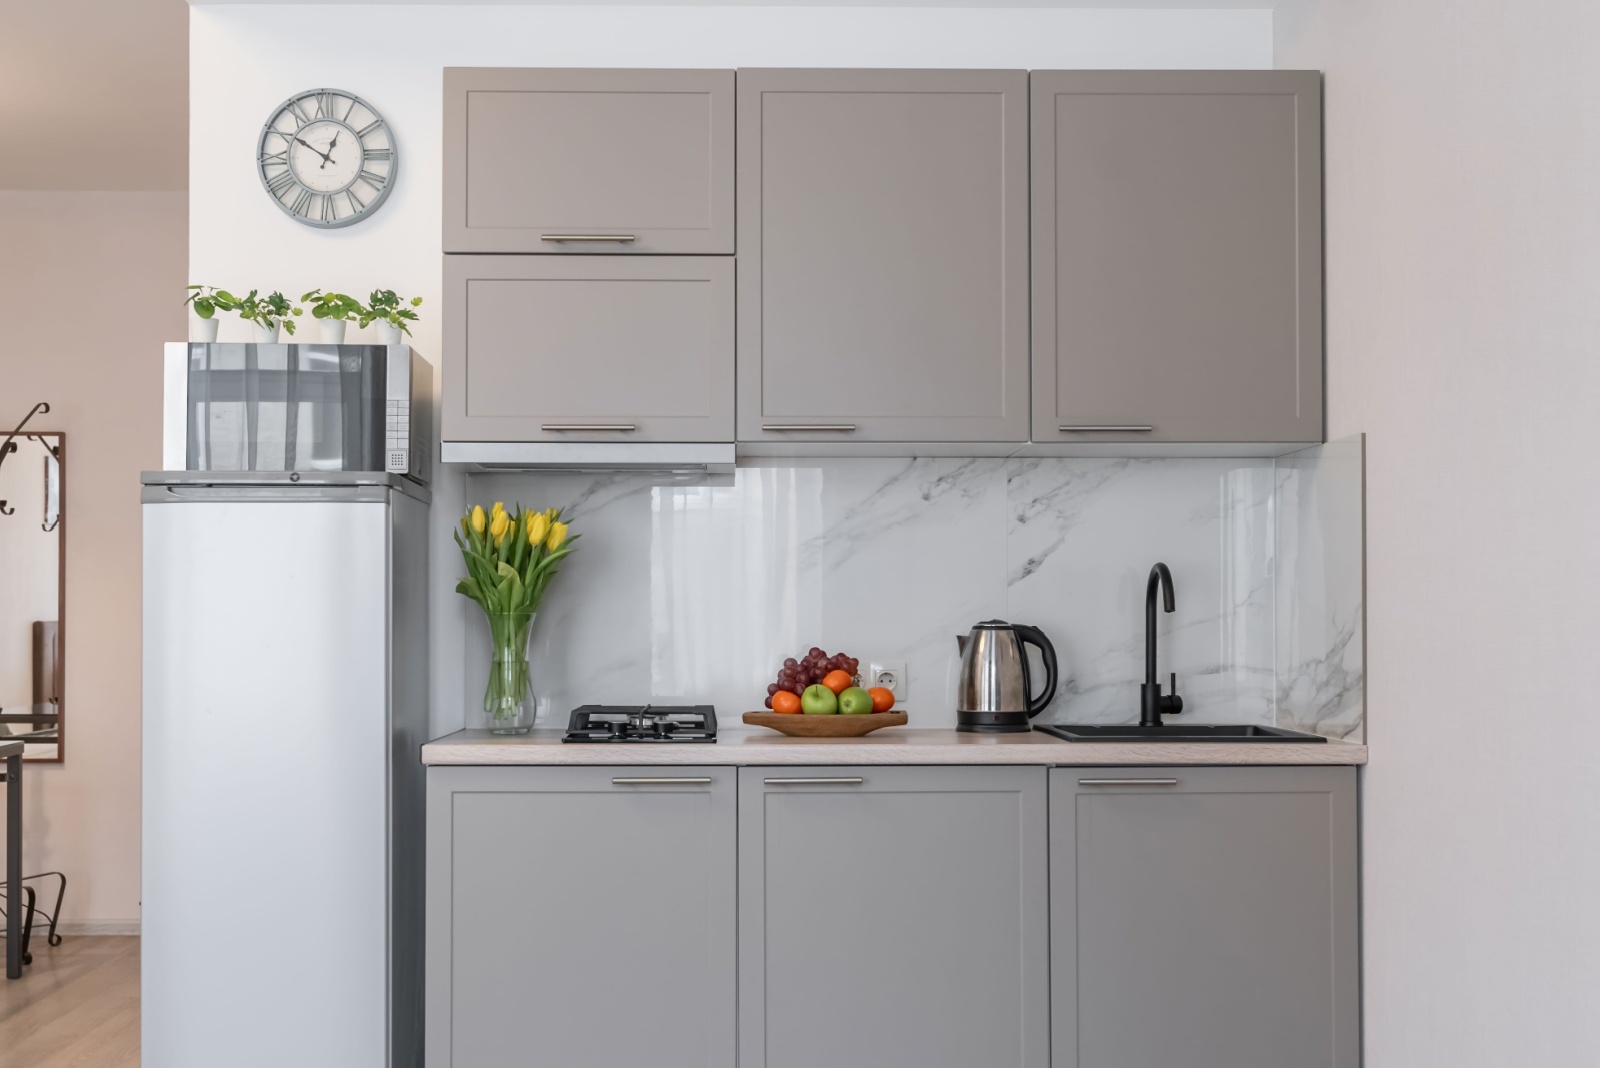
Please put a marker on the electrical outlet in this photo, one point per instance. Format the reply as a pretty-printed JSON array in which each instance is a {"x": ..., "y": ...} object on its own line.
[{"x": 890, "y": 674}]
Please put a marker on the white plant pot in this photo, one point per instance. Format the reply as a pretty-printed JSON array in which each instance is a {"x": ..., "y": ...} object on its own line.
[
  {"x": 262, "y": 335},
  {"x": 203, "y": 330},
  {"x": 389, "y": 334},
  {"x": 332, "y": 330}
]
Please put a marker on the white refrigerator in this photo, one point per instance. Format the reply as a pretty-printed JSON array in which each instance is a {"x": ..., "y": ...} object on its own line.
[{"x": 285, "y": 699}]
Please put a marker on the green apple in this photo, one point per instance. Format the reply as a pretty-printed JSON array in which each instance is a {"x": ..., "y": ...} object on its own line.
[
  {"x": 855, "y": 702},
  {"x": 818, "y": 700}
]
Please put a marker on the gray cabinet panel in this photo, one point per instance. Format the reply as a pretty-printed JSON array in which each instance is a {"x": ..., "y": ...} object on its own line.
[
  {"x": 556, "y": 897},
  {"x": 900, "y": 920},
  {"x": 535, "y": 154},
  {"x": 1211, "y": 923},
  {"x": 883, "y": 282},
  {"x": 1177, "y": 255},
  {"x": 533, "y": 342}
]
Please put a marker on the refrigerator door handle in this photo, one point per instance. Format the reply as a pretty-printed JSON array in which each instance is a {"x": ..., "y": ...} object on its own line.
[{"x": 302, "y": 494}]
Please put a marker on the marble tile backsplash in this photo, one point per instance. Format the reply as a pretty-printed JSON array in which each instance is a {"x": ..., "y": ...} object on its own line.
[{"x": 695, "y": 591}]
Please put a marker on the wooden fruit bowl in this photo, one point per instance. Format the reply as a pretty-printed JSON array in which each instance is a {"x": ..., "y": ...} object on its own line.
[{"x": 800, "y": 725}]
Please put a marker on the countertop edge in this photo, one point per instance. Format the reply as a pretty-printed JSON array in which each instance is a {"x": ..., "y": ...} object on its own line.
[{"x": 912, "y": 746}]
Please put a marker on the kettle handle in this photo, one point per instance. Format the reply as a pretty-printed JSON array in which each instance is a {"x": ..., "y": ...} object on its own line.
[{"x": 1035, "y": 637}]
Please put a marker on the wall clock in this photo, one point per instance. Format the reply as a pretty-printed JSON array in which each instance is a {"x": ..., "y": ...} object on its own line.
[{"x": 327, "y": 158}]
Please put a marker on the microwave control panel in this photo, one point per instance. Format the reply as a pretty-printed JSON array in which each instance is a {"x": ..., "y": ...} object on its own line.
[{"x": 397, "y": 437}]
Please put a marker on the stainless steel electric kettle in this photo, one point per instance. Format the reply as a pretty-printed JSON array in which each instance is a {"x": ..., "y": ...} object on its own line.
[{"x": 995, "y": 693}]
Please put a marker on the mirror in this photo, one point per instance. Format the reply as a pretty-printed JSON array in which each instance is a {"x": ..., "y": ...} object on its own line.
[{"x": 33, "y": 584}]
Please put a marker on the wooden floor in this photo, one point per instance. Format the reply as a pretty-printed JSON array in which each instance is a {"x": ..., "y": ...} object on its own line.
[{"x": 76, "y": 1006}]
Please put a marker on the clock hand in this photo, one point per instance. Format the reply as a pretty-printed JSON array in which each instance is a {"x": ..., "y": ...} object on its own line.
[
  {"x": 313, "y": 148},
  {"x": 327, "y": 159}
]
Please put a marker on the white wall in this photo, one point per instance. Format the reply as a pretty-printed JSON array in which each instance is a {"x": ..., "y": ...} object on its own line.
[
  {"x": 90, "y": 285},
  {"x": 246, "y": 59},
  {"x": 1463, "y": 179}
]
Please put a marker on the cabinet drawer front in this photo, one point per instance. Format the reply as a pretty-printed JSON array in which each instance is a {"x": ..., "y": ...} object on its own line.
[
  {"x": 883, "y": 285},
  {"x": 568, "y": 161},
  {"x": 556, "y": 895},
  {"x": 588, "y": 348},
  {"x": 1204, "y": 917},
  {"x": 1177, "y": 256},
  {"x": 893, "y": 916}
]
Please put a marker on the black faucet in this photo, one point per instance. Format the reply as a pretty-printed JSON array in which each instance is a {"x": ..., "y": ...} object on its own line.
[{"x": 1152, "y": 706}]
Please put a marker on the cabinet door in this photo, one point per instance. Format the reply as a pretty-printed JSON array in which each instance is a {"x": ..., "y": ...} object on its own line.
[
  {"x": 589, "y": 348},
  {"x": 634, "y": 160},
  {"x": 1177, "y": 256},
  {"x": 581, "y": 917},
  {"x": 883, "y": 286},
  {"x": 1204, "y": 917},
  {"x": 892, "y": 916}
]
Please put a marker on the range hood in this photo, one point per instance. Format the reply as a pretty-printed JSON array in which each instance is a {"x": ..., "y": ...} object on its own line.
[{"x": 714, "y": 458}]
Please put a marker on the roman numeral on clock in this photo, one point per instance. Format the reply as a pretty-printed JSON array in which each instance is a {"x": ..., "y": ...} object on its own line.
[
  {"x": 302, "y": 204},
  {"x": 376, "y": 181},
  {"x": 279, "y": 183},
  {"x": 368, "y": 128},
  {"x": 377, "y": 154}
]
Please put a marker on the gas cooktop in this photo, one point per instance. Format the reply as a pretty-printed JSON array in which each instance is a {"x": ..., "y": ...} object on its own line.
[{"x": 642, "y": 723}]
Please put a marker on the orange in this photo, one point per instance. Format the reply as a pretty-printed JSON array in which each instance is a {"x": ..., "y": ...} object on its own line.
[
  {"x": 785, "y": 702},
  {"x": 882, "y": 698},
  {"x": 838, "y": 681}
]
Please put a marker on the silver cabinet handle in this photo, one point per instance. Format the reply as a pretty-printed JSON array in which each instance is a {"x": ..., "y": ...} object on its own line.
[
  {"x": 800, "y": 428},
  {"x": 662, "y": 780},
  {"x": 841, "y": 781},
  {"x": 1127, "y": 782},
  {"x": 621, "y": 239},
  {"x": 555, "y": 428},
  {"x": 1106, "y": 428}
]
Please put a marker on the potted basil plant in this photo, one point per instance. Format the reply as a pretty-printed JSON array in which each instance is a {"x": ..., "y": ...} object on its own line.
[
  {"x": 267, "y": 314},
  {"x": 333, "y": 313},
  {"x": 391, "y": 313}
]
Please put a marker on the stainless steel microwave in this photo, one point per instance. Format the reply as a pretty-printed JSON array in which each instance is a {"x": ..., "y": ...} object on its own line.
[{"x": 241, "y": 407}]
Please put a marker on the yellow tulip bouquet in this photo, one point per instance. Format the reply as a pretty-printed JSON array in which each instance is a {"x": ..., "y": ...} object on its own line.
[{"x": 511, "y": 558}]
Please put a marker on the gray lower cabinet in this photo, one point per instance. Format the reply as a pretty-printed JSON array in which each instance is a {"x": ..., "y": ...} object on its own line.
[
  {"x": 1204, "y": 918},
  {"x": 581, "y": 917},
  {"x": 893, "y": 916},
  {"x": 883, "y": 267},
  {"x": 572, "y": 161},
  {"x": 588, "y": 348},
  {"x": 1177, "y": 256}
]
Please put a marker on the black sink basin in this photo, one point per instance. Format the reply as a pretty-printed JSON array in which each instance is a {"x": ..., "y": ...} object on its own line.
[{"x": 1188, "y": 732}]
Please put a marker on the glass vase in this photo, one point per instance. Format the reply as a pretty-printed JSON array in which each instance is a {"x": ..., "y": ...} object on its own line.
[{"x": 508, "y": 702}]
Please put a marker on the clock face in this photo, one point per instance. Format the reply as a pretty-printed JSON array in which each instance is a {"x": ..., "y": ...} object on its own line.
[{"x": 326, "y": 158}]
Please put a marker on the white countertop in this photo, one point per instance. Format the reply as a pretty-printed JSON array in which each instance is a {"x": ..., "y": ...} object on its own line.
[{"x": 891, "y": 745}]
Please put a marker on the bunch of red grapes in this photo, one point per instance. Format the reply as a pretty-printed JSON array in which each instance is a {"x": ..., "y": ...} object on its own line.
[{"x": 796, "y": 675}]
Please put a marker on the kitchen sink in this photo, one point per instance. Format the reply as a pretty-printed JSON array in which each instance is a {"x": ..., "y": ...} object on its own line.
[{"x": 1188, "y": 732}]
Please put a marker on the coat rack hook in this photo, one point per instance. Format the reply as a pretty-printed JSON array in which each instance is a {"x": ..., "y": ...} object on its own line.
[{"x": 10, "y": 445}]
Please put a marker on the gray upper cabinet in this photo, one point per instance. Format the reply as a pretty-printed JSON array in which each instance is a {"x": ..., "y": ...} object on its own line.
[
  {"x": 1204, "y": 917},
  {"x": 883, "y": 220},
  {"x": 588, "y": 349},
  {"x": 581, "y": 917},
  {"x": 1177, "y": 256},
  {"x": 893, "y": 916},
  {"x": 586, "y": 161}
]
